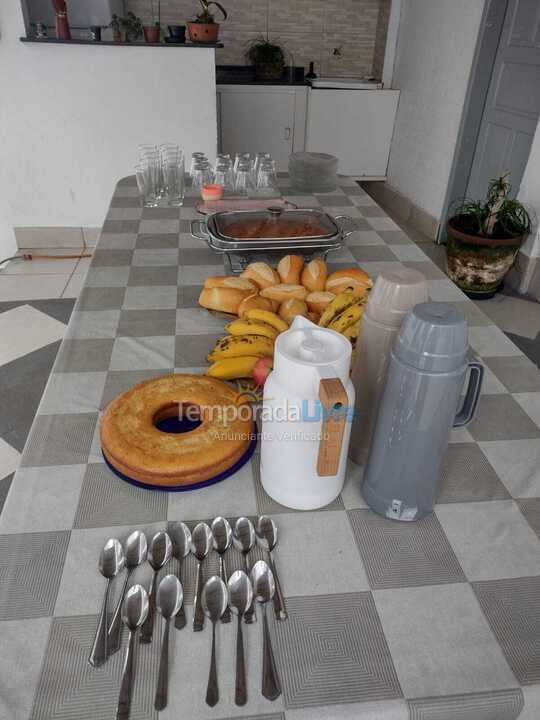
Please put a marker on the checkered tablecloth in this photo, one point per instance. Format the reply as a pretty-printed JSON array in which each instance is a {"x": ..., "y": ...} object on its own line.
[{"x": 432, "y": 620}]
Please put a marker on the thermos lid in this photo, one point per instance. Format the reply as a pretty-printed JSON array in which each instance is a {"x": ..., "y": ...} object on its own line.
[
  {"x": 307, "y": 345},
  {"x": 395, "y": 292},
  {"x": 433, "y": 337}
]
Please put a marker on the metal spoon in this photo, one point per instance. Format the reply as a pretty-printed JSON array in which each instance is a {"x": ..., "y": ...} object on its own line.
[
  {"x": 169, "y": 600},
  {"x": 267, "y": 535},
  {"x": 181, "y": 544},
  {"x": 240, "y": 600},
  {"x": 244, "y": 540},
  {"x": 264, "y": 588},
  {"x": 111, "y": 562},
  {"x": 134, "y": 613},
  {"x": 222, "y": 532},
  {"x": 214, "y": 601},
  {"x": 136, "y": 550},
  {"x": 159, "y": 553},
  {"x": 201, "y": 542}
]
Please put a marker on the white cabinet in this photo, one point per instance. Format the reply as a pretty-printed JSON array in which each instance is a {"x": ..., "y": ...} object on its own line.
[
  {"x": 254, "y": 118},
  {"x": 354, "y": 125}
]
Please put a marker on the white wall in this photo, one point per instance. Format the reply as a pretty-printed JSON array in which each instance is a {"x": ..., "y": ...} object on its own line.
[
  {"x": 435, "y": 51},
  {"x": 529, "y": 194},
  {"x": 71, "y": 117}
]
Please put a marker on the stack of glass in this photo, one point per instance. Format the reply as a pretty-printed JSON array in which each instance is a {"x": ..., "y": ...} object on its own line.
[
  {"x": 160, "y": 175},
  {"x": 313, "y": 172}
]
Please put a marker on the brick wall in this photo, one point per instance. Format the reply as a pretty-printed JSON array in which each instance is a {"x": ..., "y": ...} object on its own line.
[{"x": 309, "y": 29}]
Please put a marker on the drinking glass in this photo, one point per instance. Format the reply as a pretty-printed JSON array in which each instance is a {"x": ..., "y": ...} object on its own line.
[
  {"x": 196, "y": 157},
  {"x": 146, "y": 184},
  {"x": 241, "y": 157},
  {"x": 201, "y": 174},
  {"x": 243, "y": 181},
  {"x": 173, "y": 177},
  {"x": 266, "y": 179},
  {"x": 259, "y": 157},
  {"x": 223, "y": 175}
]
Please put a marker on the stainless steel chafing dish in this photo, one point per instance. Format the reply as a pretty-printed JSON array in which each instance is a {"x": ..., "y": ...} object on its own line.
[{"x": 242, "y": 233}]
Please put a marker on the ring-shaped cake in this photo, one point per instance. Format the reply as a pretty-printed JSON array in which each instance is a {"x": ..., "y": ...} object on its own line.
[{"x": 134, "y": 444}]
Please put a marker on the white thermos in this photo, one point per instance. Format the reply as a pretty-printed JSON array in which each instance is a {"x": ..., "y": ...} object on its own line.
[
  {"x": 394, "y": 294},
  {"x": 307, "y": 406}
]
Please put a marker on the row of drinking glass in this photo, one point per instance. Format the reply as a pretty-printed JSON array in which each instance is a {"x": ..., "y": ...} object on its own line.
[
  {"x": 160, "y": 175},
  {"x": 245, "y": 175}
]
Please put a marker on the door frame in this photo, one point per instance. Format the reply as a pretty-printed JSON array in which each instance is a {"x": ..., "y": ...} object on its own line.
[{"x": 487, "y": 46}]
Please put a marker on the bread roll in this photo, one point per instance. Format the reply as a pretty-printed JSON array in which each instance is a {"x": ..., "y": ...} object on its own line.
[
  {"x": 255, "y": 301},
  {"x": 283, "y": 292},
  {"x": 292, "y": 307},
  {"x": 314, "y": 317},
  {"x": 290, "y": 268},
  {"x": 354, "y": 279},
  {"x": 318, "y": 301},
  {"x": 232, "y": 281},
  {"x": 225, "y": 299},
  {"x": 261, "y": 274},
  {"x": 314, "y": 275}
]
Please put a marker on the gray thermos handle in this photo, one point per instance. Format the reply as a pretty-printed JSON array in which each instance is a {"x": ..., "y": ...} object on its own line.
[{"x": 466, "y": 414}]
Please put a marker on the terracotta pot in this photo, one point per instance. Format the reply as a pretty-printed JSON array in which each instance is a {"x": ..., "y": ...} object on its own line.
[
  {"x": 478, "y": 264},
  {"x": 203, "y": 32},
  {"x": 151, "y": 33}
]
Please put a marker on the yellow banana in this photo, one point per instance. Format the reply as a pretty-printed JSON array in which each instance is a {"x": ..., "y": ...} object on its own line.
[
  {"x": 232, "y": 368},
  {"x": 340, "y": 303},
  {"x": 351, "y": 332},
  {"x": 268, "y": 317},
  {"x": 348, "y": 317},
  {"x": 233, "y": 346},
  {"x": 251, "y": 327}
]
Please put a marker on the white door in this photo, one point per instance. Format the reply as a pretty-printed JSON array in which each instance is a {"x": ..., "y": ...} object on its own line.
[
  {"x": 513, "y": 102},
  {"x": 257, "y": 122}
]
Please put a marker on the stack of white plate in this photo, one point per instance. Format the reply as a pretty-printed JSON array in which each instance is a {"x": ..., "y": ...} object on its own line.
[{"x": 313, "y": 172}]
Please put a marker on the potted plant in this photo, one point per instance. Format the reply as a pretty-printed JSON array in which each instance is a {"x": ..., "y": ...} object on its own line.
[
  {"x": 483, "y": 239},
  {"x": 204, "y": 29},
  {"x": 127, "y": 29},
  {"x": 267, "y": 58},
  {"x": 152, "y": 32}
]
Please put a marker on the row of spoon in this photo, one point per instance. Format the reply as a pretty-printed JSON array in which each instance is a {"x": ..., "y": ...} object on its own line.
[
  {"x": 178, "y": 542},
  {"x": 216, "y": 598}
]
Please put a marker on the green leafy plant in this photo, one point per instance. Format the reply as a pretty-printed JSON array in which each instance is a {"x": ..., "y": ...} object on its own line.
[
  {"x": 206, "y": 16},
  {"x": 260, "y": 51},
  {"x": 499, "y": 216},
  {"x": 131, "y": 25}
]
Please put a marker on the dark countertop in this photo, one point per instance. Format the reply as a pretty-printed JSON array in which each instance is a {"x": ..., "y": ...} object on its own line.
[
  {"x": 55, "y": 41},
  {"x": 245, "y": 75}
]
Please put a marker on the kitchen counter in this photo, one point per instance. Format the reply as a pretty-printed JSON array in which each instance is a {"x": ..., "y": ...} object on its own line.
[
  {"x": 432, "y": 619},
  {"x": 245, "y": 75},
  {"x": 75, "y": 41}
]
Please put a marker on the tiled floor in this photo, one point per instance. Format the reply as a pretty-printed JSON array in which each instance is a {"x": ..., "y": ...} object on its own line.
[{"x": 36, "y": 300}]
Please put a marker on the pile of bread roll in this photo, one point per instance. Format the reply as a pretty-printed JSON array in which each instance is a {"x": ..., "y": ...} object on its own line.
[{"x": 293, "y": 288}]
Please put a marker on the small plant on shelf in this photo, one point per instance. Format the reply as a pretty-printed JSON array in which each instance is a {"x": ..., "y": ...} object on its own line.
[
  {"x": 204, "y": 28},
  {"x": 152, "y": 33},
  {"x": 267, "y": 58},
  {"x": 128, "y": 28},
  {"x": 483, "y": 239}
]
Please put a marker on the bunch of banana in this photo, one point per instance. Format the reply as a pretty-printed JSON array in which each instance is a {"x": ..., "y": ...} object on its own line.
[
  {"x": 344, "y": 315},
  {"x": 251, "y": 337}
]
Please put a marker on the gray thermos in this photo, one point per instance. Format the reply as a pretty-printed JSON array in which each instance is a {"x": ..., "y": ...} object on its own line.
[{"x": 428, "y": 365}]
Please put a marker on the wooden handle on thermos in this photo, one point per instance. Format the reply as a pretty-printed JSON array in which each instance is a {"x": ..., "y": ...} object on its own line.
[{"x": 334, "y": 400}]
